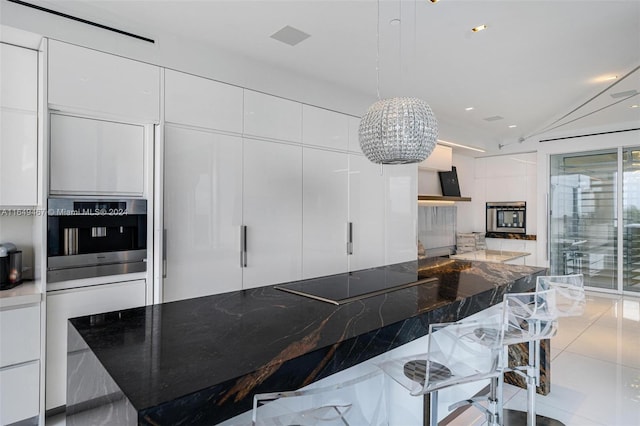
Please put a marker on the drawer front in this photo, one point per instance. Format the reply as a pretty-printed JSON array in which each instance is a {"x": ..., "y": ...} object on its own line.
[
  {"x": 19, "y": 392},
  {"x": 20, "y": 335}
]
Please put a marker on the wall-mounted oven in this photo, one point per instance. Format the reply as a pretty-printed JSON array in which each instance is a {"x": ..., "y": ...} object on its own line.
[
  {"x": 507, "y": 217},
  {"x": 91, "y": 238}
]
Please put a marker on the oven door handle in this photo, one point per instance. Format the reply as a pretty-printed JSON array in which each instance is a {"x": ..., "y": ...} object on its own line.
[{"x": 164, "y": 253}]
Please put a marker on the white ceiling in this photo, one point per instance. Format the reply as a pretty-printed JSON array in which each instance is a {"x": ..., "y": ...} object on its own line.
[{"x": 537, "y": 61}]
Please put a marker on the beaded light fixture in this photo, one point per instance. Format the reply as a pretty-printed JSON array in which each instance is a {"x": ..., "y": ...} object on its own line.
[{"x": 397, "y": 130}]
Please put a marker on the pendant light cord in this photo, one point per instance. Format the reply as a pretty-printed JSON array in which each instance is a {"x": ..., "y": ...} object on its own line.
[{"x": 378, "y": 52}]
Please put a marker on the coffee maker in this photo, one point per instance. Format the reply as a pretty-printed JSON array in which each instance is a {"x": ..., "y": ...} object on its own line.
[{"x": 10, "y": 266}]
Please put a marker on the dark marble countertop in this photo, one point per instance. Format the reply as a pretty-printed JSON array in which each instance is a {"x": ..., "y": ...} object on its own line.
[{"x": 199, "y": 361}]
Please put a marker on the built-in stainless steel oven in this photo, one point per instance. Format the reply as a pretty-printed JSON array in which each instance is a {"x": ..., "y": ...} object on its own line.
[
  {"x": 507, "y": 217},
  {"x": 92, "y": 238}
]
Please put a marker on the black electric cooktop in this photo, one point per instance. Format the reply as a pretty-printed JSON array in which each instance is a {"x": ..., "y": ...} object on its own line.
[{"x": 344, "y": 288}]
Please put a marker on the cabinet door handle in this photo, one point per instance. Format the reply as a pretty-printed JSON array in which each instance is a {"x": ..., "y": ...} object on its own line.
[
  {"x": 243, "y": 246},
  {"x": 164, "y": 253},
  {"x": 349, "y": 238}
]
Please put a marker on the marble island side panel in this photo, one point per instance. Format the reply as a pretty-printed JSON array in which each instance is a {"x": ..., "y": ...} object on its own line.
[{"x": 199, "y": 361}]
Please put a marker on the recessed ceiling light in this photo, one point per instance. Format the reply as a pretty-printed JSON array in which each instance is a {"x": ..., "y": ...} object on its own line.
[
  {"x": 468, "y": 109},
  {"x": 603, "y": 78},
  {"x": 434, "y": 1},
  {"x": 512, "y": 126},
  {"x": 479, "y": 28},
  {"x": 635, "y": 106}
]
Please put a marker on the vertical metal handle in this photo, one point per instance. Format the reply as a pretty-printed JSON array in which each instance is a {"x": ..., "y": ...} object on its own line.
[
  {"x": 164, "y": 253},
  {"x": 349, "y": 238},
  {"x": 549, "y": 214},
  {"x": 243, "y": 246}
]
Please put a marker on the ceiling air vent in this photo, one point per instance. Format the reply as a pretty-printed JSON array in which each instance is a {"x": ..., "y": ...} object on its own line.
[
  {"x": 494, "y": 118},
  {"x": 290, "y": 35}
]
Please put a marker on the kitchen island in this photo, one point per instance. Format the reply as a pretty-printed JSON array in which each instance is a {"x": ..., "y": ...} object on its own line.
[{"x": 200, "y": 361}]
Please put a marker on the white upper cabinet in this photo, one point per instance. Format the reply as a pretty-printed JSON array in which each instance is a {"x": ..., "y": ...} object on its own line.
[
  {"x": 366, "y": 213},
  {"x": 202, "y": 102},
  {"x": 325, "y": 212},
  {"x": 82, "y": 79},
  {"x": 18, "y": 126},
  {"x": 354, "y": 140},
  {"x": 93, "y": 157},
  {"x": 272, "y": 204},
  {"x": 272, "y": 117},
  {"x": 440, "y": 159},
  {"x": 202, "y": 213},
  {"x": 321, "y": 127},
  {"x": 401, "y": 194}
]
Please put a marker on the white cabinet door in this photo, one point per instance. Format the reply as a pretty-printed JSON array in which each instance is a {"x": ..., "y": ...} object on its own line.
[
  {"x": 366, "y": 213},
  {"x": 401, "y": 195},
  {"x": 65, "y": 304},
  {"x": 325, "y": 212},
  {"x": 202, "y": 213},
  {"x": 96, "y": 157},
  {"x": 19, "y": 335},
  {"x": 321, "y": 127},
  {"x": 86, "y": 79},
  {"x": 272, "y": 205},
  {"x": 18, "y": 78},
  {"x": 18, "y": 126},
  {"x": 272, "y": 117},
  {"x": 19, "y": 392},
  {"x": 201, "y": 102}
]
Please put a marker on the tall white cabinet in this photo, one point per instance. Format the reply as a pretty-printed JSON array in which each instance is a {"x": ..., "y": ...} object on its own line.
[
  {"x": 202, "y": 212},
  {"x": 260, "y": 190},
  {"x": 272, "y": 212}
]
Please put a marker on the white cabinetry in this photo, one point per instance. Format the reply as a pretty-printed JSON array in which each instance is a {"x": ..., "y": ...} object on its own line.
[
  {"x": 401, "y": 210},
  {"x": 366, "y": 213},
  {"x": 321, "y": 127},
  {"x": 19, "y": 363},
  {"x": 18, "y": 126},
  {"x": 202, "y": 213},
  {"x": 82, "y": 79},
  {"x": 272, "y": 205},
  {"x": 91, "y": 156},
  {"x": 65, "y": 304},
  {"x": 202, "y": 102},
  {"x": 325, "y": 212},
  {"x": 271, "y": 117}
]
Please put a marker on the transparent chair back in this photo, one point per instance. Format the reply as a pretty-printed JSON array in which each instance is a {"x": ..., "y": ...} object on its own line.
[
  {"x": 570, "y": 296},
  {"x": 355, "y": 402},
  {"x": 529, "y": 316},
  {"x": 458, "y": 353}
]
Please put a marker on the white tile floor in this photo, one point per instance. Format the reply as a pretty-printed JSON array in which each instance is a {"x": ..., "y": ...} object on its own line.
[
  {"x": 595, "y": 370},
  {"x": 595, "y": 373}
]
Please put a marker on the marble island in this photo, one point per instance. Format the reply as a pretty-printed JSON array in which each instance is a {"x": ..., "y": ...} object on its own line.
[{"x": 199, "y": 361}]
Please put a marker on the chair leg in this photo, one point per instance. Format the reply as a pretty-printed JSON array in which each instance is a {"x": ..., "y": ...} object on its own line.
[{"x": 430, "y": 409}]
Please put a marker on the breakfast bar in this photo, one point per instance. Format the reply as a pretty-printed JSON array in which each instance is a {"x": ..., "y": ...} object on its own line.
[{"x": 201, "y": 360}]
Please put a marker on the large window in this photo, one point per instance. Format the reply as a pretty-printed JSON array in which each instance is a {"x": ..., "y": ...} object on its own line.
[{"x": 584, "y": 224}]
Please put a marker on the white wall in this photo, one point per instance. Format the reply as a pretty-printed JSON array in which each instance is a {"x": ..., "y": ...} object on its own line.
[
  {"x": 19, "y": 230},
  {"x": 429, "y": 184}
]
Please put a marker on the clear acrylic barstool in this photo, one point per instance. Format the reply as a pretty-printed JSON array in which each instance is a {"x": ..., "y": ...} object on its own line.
[
  {"x": 528, "y": 318},
  {"x": 341, "y": 404},
  {"x": 570, "y": 295},
  {"x": 458, "y": 353}
]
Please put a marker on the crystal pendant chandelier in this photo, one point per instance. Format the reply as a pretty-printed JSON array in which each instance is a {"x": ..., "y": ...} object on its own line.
[{"x": 397, "y": 130}]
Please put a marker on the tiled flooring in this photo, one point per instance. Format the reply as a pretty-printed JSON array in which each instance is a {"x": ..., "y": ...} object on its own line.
[
  {"x": 595, "y": 370},
  {"x": 595, "y": 373}
]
